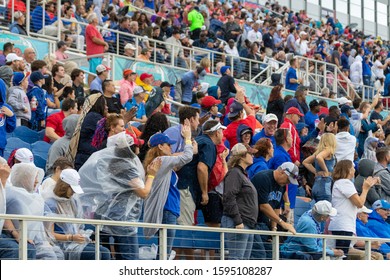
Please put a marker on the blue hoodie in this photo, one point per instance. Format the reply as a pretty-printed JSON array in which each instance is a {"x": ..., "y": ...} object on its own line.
[
  {"x": 240, "y": 128},
  {"x": 40, "y": 113},
  {"x": 259, "y": 164},
  {"x": 365, "y": 231},
  {"x": 7, "y": 124},
  {"x": 378, "y": 225}
]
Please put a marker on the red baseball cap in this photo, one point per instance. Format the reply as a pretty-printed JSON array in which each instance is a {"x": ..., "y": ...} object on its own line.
[
  {"x": 293, "y": 110},
  {"x": 209, "y": 101},
  {"x": 145, "y": 76}
]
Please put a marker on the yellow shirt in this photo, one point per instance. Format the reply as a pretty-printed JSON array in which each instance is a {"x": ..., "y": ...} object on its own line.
[{"x": 146, "y": 87}]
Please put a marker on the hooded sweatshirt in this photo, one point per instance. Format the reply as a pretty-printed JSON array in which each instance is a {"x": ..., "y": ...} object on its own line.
[
  {"x": 378, "y": 225},
  {"x": 345, "y": 148},
  {"x": 7, "y": 124},
  {"x": 6, "y": 74},
  {"x": 18, "y": 100},
  {"x": 60, "y": 147},
  {"x": 366, "y": 168}
]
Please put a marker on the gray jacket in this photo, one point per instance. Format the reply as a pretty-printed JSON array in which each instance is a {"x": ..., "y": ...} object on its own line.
[
  {"x": 18, "y": 100},
  {"x": 384, "y": 174}
]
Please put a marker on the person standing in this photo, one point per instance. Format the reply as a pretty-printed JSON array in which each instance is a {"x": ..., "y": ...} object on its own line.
[{"x": 292, "y": 81}]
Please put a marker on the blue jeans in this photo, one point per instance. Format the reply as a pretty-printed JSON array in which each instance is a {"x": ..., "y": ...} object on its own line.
[
  {"x": 322, "y": 189},
  {"x": 126, "y": 247},
  {"x": 89, "y": 253},
  {"x": 169, "y": 219},
  {"x": 262, "y": 248},
  {"x": 239, "y": 245},
  {"x": 9, "y": 249}
]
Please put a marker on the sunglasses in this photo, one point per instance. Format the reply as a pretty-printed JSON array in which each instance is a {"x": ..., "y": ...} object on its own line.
[{"x": 292, "y": 175}]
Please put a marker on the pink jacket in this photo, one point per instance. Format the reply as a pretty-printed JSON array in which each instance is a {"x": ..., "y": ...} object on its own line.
[{"x": 126, "y": 90}]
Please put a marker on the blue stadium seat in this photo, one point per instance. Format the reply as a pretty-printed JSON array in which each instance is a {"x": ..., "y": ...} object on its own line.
[
  {"x": 301, "y": 206},
  {"x": 26, "y": 134},
  {"x": 14, "y": 143},
  {"x": 40, "y": 148},
  {"x": 40, "y": 162}
]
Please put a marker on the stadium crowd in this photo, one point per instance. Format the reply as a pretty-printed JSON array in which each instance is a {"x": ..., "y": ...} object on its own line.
[{"x": 116, "y": 156}]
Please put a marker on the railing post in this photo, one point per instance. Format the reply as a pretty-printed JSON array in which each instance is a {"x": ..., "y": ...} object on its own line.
[
  {"x": 275, "y": 247},
  {"x": 97, "y": 242},
  {"x": 163, "y": 244},
  {"x": 222, "y": 246},
  {"x": 367, "y": 250},
  {"x": 59, "y": 23},
  {"x": 232, "y": 64},
  {"x": 23, "y": 240},
  {"x": 324, "y": 248}
]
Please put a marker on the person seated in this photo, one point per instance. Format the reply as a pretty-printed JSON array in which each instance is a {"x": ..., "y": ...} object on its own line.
[
  {"x": 54, "y": 129},
  {"x": 310, "y": 222},
  {"x": 138, "y": 102}
]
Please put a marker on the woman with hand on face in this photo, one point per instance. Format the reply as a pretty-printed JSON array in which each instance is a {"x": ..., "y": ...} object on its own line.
[
  {"x": 240, "y": 204},
  {"x": 163, "y": 204}
]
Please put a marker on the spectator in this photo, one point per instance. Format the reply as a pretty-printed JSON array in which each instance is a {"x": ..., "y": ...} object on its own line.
[
  {"x": 227, "y": 84},
  {"x": 127, "y": 85},
  {"x": 145, "y": 80},
  {"x": 138, "y": 102},
  {"x": 37, "y": 98},
  {"x": 7, "y": 48},
  {"x": 382, "y": 171},
  {"x": 102, "y": 74},
  {"x": 231, "y": 29},
  {"x": 15, "y": 62},
  {"x": 365, "y": 127},
  {"x": 77, "y": 77},
  {"x": 276, "y": 103},
  {"x": 255, "y": 35},
  {"x": 290, "y": 121},
  {"x": 311, "y": 117},
  {"x": 29, "y": 57},
  {"x": 145, "y": 55},
  {"x": 209, "y": 106},
  {"x": 175, "y": 53},
  {"x": 264, "y": 152},
  {"x": 292, "y": 81},
  {"x": 324, "y": 161},
  {"x": 268, "y": 41},
  {"x": 346, "y": 201},
  {"x": 270, "y": 124},
  {"x": 233, "y": 56},
  {"x": 271, "y": 188},
  {"x": 106, "y": 127},
  {"x": 129, "y": 50},
  {"x": 163, "y": 204},
  {"x": 346, "y": 143},
  {"x": 94, "y": 44},
  {"x": 190, "y": 80},
  {"x": 18, "y": 26},
  {"x": 54, "y": 129},
  {"x": 112, "y": 101},
  {"x": 310, "y": 222},
  {"x": 47, "y": 186},
  {"x": 240, "y": 205},
  {"x": 62, "y": 47},
  {"x": 299, "y": 101},
  {"x": 290, "y": 41},
  {"x": 195, "y": 22},
  {"x": 366, "y": 169},
  {"x": 58, "y": 74},
  {"x": 377, "y": 221},
  {"x": 60, "y": 147},
  {"x": 18, "y": 99},
  {"x": 236, "y": 116},
  {"x": 158, "y": 102}
]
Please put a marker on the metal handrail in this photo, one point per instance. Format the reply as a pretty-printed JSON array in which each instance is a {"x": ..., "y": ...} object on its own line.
[{"x": 163, "y": 254}]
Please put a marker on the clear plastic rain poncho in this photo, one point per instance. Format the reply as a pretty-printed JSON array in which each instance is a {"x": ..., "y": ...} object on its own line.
[
  {"x": 2, "y": 197},
  {"x": 109, "y": 178},
  {"x": 21, "y": 199}
]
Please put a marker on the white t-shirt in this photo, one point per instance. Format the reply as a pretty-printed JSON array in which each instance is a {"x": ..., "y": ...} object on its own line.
[
  {"x": 254, "y": 36},
  {"x": 376, "y": 71},
  {"x": 345, "y": 220}
]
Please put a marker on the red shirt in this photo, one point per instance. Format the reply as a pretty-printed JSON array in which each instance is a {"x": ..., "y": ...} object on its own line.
[
  {"x": 231, "y": 131},
  {"x": 55, "y": 121},
  {"x": 93, "y": 48}
]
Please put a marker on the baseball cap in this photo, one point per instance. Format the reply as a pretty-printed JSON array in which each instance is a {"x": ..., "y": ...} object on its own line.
[
  {"x": 292, "y": 171},
  {"x": 18, "y": 15},
  {"x": 364, "y": 209},
  {"x": 345, "y": 108},
  {"x": 239, "y": 150},
  {"x": 235, "y": 109},
  {"x": 19, "y": 77},
  {"x": 72, "y": 177},
  {"x": 24, "y": 155},
  {"x": 324, "y": 207},
  {"x": 160, "y": 138},
  {"x": 209, "y": 101},
  {"x": 249, "y": 20},
  {"x": 12, "y": 57},
  {"x": 137, "y": 90},
  {"x": 293, "y": 110},
  {"x": 224, "y": 69},
  {"x": 101, "y": 68},
  {"x": 214, "y": 128},
  {"x": 343, "y": 100},
  {"x": 337, "y": 45},
  {"x": 165, "y": 84},
  {"x": 130, "y": 46},
  {"x": 128, "y": 72},
  {"x": 145, "y": 76},
  {"x": 381, "y": 203},
  {"x": 36, "y": 76},
  {"x": 302, "y": 33},
  {"x": 270, "y": 117}
]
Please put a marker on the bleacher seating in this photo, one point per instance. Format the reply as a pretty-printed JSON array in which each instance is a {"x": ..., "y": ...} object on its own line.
[
  {"x": 40, "y": 148},
  {"x": 14, "y": 143},
  {"x": 28, "y": 135}
]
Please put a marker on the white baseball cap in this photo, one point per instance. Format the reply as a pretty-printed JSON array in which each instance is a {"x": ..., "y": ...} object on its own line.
[
  {"x": 24, "y": 155},
  {"x": 324, "y": 207},
  {"x": 130, "y": 46},
  {"x": 72, "y": 177},
  {"x": 364, "y": 209},
  {"x": 101, "y": 68},
  {"x": 292, "y": 172},
  {"x": 270, "y": 117},
  {"x": 12, "y": 57}
]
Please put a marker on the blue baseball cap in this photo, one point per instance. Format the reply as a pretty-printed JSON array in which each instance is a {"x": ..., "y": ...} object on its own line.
[
  {"x": 160, "y": 138},
  {"x": 224, "y": 69},
  {"x": 19, "y": 77},
  {"x": 36, "y": 76},
  {"x": 381, "y": 203}
]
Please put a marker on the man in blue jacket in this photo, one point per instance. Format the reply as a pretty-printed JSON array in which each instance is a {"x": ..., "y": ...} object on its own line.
[
  {"x": 7, "y": 118},
  {"x": 377, "y": 219},
  {"x": 37, "y": 98}
]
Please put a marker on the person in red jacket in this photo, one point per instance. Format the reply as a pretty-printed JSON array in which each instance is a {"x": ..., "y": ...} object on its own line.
[
  {"x": 292, "y": 118},
  {"x": 236, "y": 115}
]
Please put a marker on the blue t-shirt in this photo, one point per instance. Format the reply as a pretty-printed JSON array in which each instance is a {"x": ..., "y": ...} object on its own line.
[
  {"x": 280, "y": 156},
  {"x": 310, "y": 119},
  {"x": 291, "y": 74},
  {"x": 173, "y": 200},
  {"x": 259, "y": 164},
  {"x": 260, "y": 135},
  {"x": 140, "y": 108}
]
